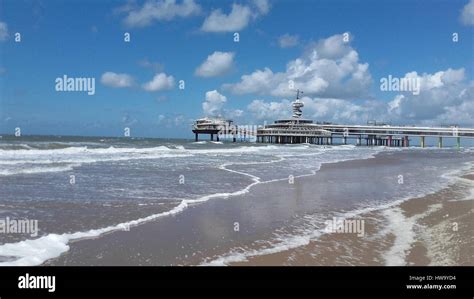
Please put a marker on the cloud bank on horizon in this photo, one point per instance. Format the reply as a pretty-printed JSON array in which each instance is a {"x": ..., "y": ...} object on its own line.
[{"x": 254, "y": 79}]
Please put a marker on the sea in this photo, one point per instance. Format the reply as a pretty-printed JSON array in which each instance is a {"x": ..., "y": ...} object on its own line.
[{"x": 87, "y": 187}]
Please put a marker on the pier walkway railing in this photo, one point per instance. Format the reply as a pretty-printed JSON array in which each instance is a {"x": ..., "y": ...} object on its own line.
[
  {"x": 400, "y": 131},
  {"x": 372, "y": 134}
]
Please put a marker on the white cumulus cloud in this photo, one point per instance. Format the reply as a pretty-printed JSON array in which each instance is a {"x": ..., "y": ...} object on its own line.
[
  {"x": 288, "y": 41},
  {"x": 445, "y": 98},
  {"x": 343, "y": 111},
  {"x": 158, "y": 10},
  {"x": 112, "y": 79},
  {"x": 442, "y": 95},
  {"x": 258, "y": 82},
  {"x": 159, "y": 82},
  {"x": 213, "y": 103},
  {"x": 237, "y": 19},
  {"x": 318, "y": 109},
  {"x": 263, "y": 6},
  {"x": 269, "y": 111},
  {"x": 216, "y": 64},
  {"x": 467, "y": 14},
  {"x": 329, "y": 68}
]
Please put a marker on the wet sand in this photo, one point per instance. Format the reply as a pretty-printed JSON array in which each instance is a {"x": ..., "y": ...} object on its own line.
[
  {"x": 418, "y": 231},
  {"x": 447, "y": 234},
  {"x": 444, "y": 235}
]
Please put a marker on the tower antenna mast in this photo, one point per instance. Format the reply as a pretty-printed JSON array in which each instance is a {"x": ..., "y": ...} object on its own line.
[
  {"x": 298, "y": 92},
  {"x": 297, "y": 105}
]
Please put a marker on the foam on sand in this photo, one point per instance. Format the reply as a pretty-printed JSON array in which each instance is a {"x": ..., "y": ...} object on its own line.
[
  {"x": 403, "y": 228},
  {"x": 36, "y": 251}
]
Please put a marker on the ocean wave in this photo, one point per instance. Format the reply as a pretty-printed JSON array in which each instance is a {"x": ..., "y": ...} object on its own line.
[
  {"x": 35, "y": 170},
  {"x": 15, "y": 146},
  {"x": 80, "y": 150},
  {"x": 467, "y": 149},
  {"x": 314, "y": 228},
  {"x": 34, "y": 252},
  {"x": 18, "y": 161},
  {"x": 37, "y": 251},
  {"x": 126, "y": 150}
]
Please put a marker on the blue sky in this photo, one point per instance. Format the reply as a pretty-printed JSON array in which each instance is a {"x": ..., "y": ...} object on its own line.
[{"x": 137, "y": 82}]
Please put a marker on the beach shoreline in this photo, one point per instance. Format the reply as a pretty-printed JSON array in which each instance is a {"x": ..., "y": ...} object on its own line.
[
  {"x": 424, "y": 217},
  {"x": 443, "y": 237}
]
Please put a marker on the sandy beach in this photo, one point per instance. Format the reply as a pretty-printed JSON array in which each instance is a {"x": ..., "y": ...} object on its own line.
[
  {"x": 442, "y": 225},
  {"x": 433, "y": 229}
]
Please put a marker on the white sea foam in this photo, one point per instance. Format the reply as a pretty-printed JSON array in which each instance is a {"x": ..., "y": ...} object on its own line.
[
  {"x": 36, "y": 251},
  {"x": 14, "y": 146},
  {"x": 52, "y": 160},
  {"x": 404, "y": 228},
  {"x": 121, "y": 150},
  {"x": 287, "y": 241},
  {"x": 278, "y": 245},
  {"x": 313, "y": 230},
  {"x": 34, "y": 170},
  {"x": 43, "y": 161}
]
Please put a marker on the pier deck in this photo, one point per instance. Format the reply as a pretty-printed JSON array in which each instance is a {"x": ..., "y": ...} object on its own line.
[{"x": 371, "y": 134}]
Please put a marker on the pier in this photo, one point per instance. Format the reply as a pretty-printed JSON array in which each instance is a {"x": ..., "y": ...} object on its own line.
[
  {"x": 396, "y": 135},
  {"x": 210, "y": 126},
  {"x": 299, "y": 130},
  {"x": 221, "y": 128}
]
